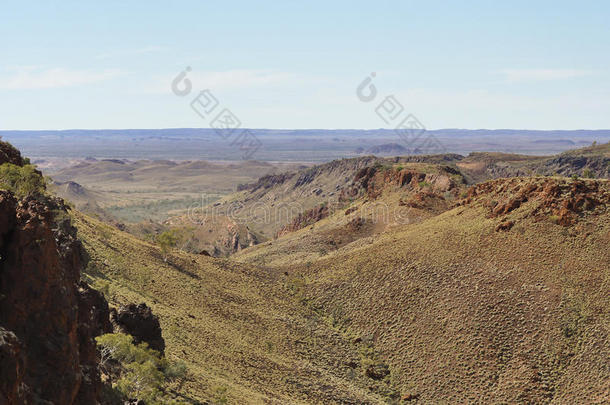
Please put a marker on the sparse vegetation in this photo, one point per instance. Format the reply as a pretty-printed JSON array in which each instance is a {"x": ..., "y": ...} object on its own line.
[
  {"x": 409, "y": 312},
  {"x": 157, "y": 211},
  {"x": 23, "y": 181},
  {"x": 220, "y": 396},
  {"x": 136, "y": 371},
  {"x": 192, "y": 298}
]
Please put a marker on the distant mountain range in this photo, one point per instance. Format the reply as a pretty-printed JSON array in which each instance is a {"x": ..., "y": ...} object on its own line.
[{"x": 314, "y": 145}]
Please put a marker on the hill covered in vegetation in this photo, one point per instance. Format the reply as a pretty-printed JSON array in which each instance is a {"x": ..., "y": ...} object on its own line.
[
  {"x": 490, "y": 292},
  {"x": 418, "y": 284}
]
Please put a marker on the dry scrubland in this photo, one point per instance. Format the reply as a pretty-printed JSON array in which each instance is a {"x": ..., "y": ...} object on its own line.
[
  {"x": 242, "y": 330},
  {"x": 279, "y": 204},
  {"x": 466, "y": 311},
  {"x": 496, "y": 292},
  {"x": 454, "y": 308},
  {"x": 135, "y": 191}
]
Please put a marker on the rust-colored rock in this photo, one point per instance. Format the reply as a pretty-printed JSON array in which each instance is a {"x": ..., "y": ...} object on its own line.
[
  {"x": 374, "y": 181},
  {"x": 48, "y": 318},
  {"x": 410, "y": 397},
  {"x": 505, "y": 226},
  {"x": 564, "y": 200},
  {"x": 305, "y": 219}
]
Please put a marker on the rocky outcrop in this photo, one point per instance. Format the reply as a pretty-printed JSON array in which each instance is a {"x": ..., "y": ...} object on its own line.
[
  {"x": 48, "y": 318},
  {"x": 305, "y": 219},
  {"x": 567, "y": 165},
  {"x": 237, "y": 238},
  {"x": 93, "y": 320},
  {"x": 375, "y": 179},
  {"x": 12, "y": 364},
  {"x": 591, "y": 162},
  {"x": 266, "y": 182},
  {"x": 139, "y": 322},
  {"x": 563, "y": 201}
]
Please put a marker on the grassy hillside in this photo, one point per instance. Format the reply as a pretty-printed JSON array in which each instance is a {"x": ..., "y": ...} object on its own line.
[
  {"x": 378, "y": 198},
  {"x": 277, "y": 204},
  {"x": 500, "y": 299},
  {"x": 492, "y": 301},
  {"x": 243, "y": 331},
  {"x": 393, "y": 282},
  {"x": 591, "y": 161}
]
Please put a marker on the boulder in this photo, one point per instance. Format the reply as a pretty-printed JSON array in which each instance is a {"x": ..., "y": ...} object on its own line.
[{"x": 139, "y": 322}]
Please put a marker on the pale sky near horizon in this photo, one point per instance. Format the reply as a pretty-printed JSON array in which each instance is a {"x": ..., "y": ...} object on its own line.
[{"x": 296, "y": 64}]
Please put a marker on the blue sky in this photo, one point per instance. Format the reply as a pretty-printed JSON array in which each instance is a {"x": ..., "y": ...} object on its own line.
[{"x": 297, "y": 64}]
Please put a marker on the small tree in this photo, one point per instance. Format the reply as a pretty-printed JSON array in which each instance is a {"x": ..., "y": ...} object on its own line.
[
  {"x": 587, "y": 173},
  {"x": 166, "y": 241},
  {"x": 143, "y": 373},
  {"x": 141, "y": 381}
]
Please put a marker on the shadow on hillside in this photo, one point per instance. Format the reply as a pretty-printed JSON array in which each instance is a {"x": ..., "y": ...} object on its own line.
[
  {"x": 190, "y": 400},
  {"x": 182, "y": 270}
]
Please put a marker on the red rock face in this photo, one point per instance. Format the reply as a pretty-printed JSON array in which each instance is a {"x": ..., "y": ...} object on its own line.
[
  {"x": 48, "y": 319},
  {"x": 374, "y": 181},
  {"x": 566, "y": 200},
  {"x": 305, "y": 219}
]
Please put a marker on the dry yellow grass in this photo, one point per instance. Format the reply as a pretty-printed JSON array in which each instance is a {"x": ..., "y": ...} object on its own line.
[
  {"x": 458, "y": 309},
  {"x": 238, "y": 327},
  {"x": 465, "y": 313}
]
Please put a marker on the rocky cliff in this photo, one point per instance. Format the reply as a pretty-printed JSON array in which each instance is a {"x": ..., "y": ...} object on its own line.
[{"x": 48, "y": 317}]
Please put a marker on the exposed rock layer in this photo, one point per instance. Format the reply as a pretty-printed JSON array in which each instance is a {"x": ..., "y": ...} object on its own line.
[{"x": 48, "y": 318}]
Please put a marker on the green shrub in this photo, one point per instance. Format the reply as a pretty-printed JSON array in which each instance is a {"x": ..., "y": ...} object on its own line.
[
  {"x": 166, "y": 241},
  {"x": 23, "y": 181},
  {"x": 175, "y": 370},
  {"x": 587, "y": 173},
  {"x": 141, "y": 381},
  {"x": 143, "y": 373}
]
